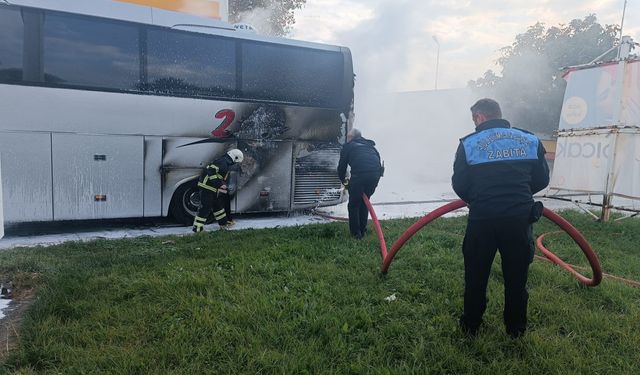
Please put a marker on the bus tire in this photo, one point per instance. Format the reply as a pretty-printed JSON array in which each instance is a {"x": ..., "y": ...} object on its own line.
[{"x": 185, "y": 202}]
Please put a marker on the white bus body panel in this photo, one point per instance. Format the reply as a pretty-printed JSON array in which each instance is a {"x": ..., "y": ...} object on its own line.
[
  {"x": 32, "y": 108},
  {"x": 88, "y": 165},
  {"x": 26, "y": 176}
]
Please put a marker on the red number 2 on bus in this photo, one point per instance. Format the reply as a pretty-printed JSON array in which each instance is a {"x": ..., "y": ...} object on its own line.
[{"x": 227, "y": 116}]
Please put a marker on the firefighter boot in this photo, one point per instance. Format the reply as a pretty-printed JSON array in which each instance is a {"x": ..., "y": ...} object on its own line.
[{"x": 198, "y": 224}]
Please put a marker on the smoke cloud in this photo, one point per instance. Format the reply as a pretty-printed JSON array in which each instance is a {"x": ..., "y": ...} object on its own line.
[
  {"x": 416, "y": 128},
  {"x": 260, "y": 18},
  {"x": 395, "y": 56}
]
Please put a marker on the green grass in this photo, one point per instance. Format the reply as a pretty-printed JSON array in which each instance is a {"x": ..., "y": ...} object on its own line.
[{"x": 309, "y": 300}]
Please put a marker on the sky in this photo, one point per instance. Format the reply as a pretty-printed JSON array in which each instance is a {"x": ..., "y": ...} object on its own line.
[{"x": 392, "y": 40}]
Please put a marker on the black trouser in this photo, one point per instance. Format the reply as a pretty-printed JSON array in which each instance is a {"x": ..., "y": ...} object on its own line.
[
  {"x": 210, "y": 201},
  {"x": 358, "y": 213},
  {"x": 514, "y": 238}
]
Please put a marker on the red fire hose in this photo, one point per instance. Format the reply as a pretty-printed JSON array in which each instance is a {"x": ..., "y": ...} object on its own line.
[
  {"x": 584, "y": 246},
  {"x": 387, "y": 256}
]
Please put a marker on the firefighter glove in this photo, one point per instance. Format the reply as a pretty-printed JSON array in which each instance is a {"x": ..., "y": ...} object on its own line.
[{"x": 223, "y": 190}]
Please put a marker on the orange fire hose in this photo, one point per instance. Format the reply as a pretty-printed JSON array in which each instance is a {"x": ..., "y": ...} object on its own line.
[{"x": 387, "y": 256}]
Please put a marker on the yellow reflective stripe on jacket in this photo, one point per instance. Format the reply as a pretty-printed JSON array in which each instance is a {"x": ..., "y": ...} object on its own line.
[
  {"x": 208, "y": 178},
  {"x": 211, "y": 177},
  {"x": 217, "y": 175},
  {"x": 205, "y": 186}
]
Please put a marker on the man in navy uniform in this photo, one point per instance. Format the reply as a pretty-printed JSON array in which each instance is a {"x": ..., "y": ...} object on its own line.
[
  {"x": 363, "y": 158},
  {"x": 496, "y": 172}
]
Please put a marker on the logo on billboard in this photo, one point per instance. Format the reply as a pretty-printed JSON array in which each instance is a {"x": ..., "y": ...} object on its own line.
[
  {"x": 584, "y": 150},
  {"x": 574, "y": 110}
]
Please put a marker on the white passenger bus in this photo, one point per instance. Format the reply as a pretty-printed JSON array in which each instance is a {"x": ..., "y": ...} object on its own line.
[{"x": 110, "y": 110}]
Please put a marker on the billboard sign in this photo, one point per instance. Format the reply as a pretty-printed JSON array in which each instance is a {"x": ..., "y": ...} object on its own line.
[
  {"x": 216, "y": 9},
  {"x": 592, "y": 96}
]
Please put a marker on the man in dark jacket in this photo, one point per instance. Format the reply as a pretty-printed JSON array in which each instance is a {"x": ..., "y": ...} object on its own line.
[
  {"x": 496, "y": 172},
  {"x": 213, "y": 189},
  {"x": 363, "y": 158}
]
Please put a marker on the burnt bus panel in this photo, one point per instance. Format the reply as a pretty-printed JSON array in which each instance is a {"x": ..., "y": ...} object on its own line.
[
  {"x": 277, "y": 122},
  {"x": 26, "y": 176},
  {"x": 184, "y": 153},
  {"x": 97, "y": 176},
  {"x": 313, "y": 124},
  {"x": 183, "y": 161},
  {"x": 152, "y": 176},
  {"x": 316, "y": 179},
  {"x": 265, "y": 182}
]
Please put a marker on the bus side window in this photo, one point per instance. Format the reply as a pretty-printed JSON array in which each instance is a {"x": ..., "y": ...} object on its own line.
[
  {"x": 297, "y": 75},
  {"x": 182, "y": 63},
  {"x": 90, "y": 52},
  {"x": 11, "y": 45}
]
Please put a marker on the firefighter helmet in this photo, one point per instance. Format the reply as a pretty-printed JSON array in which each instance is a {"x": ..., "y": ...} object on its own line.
[{"x": 235, "y": 155}]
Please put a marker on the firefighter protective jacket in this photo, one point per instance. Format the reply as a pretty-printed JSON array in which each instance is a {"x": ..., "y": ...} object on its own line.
[
  {"x": 498, "y": 169},
  {"x": 215, "y": 174},
  {"x": 361, "y": 155}
]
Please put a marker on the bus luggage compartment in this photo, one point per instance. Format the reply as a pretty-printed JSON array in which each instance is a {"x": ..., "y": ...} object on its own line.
[
  {"x": 26, "y": 176},
  {"x": 97, "y": 176}
]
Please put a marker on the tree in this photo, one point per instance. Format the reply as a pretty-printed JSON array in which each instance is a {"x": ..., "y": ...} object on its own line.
[
  {"x": 531, "y": 88},
  {"x": 279, "y": 13}
]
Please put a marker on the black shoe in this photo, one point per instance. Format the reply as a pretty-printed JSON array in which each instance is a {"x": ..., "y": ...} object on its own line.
[
  {"x": 357, "y": 236},
  {"x": 468, "y": 331},
  {"x": 516, "y": 333},
  {"x": 471, "y": 331}
]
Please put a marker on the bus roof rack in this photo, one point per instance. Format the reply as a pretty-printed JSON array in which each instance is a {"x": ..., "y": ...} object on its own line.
[{"x": 178, "y": 25}]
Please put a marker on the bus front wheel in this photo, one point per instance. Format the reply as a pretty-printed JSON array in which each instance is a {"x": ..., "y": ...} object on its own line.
[{"x": 185, "y": 203}]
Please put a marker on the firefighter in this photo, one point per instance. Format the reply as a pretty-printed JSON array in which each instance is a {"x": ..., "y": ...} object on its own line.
[
  {"x": 213, "y": 189},
  {"x": 363, "y": 158},
  {"x": 496, "y": 172}
]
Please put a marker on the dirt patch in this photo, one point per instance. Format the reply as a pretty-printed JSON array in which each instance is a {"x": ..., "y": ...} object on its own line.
[{"x": 21, "y": 290}]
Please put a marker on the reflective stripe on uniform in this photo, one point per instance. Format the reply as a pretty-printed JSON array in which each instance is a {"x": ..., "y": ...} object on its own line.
[
  {"x": 198, "y": 226},
  {"x": 219, "y": 214},
  {"x": 217, "y": 175},
  {"x": 205, "y": 186},
  {"x": 210, "y": 177},
  {"x": 199, "y": 219}
]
